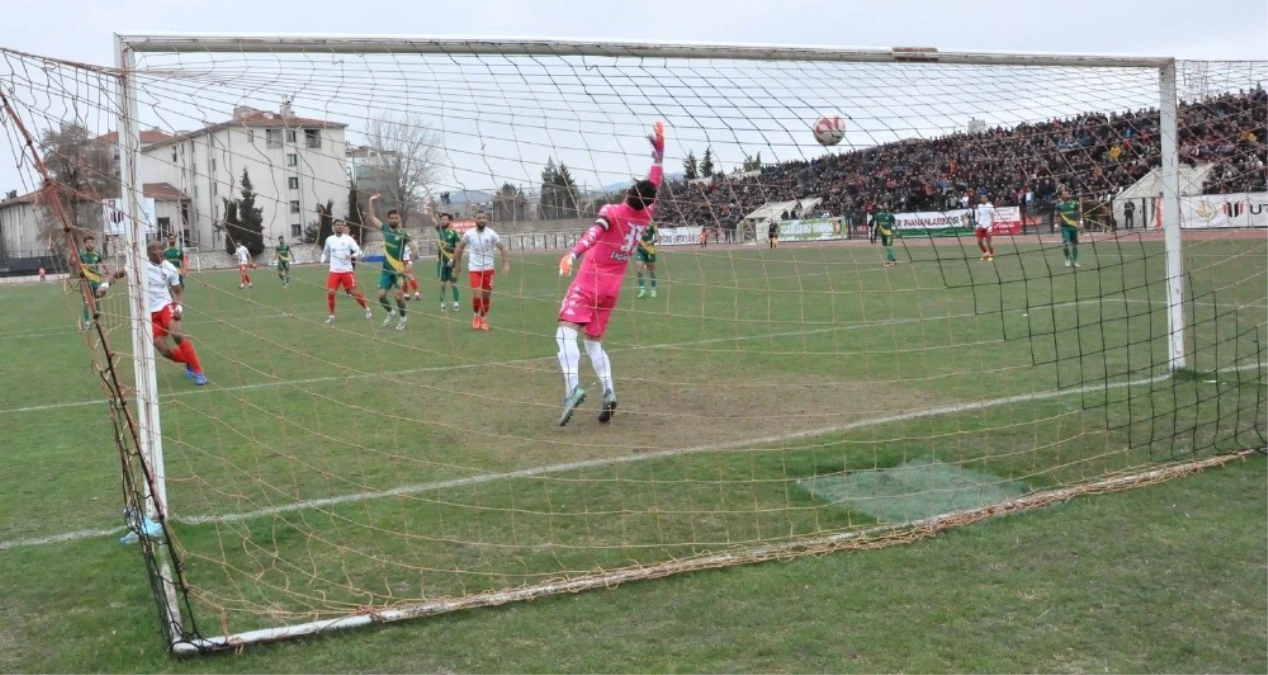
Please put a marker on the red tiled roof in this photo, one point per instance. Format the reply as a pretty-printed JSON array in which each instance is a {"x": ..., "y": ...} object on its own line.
[
  {"x": 163, "y": 192},
  {"x": 148, "y": 137}
]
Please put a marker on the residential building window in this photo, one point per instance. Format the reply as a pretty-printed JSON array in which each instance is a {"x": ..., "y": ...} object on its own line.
[
  {"x": 213, "y": 164},
  {"x": 296, "y": 229},
  {"x": 250, "y": 135},
  {"x": 293, "y": 182},
  {"x": 294, "y": 206},
  {"x": 292, "y": 160},
  {"x": 215, "y": 188},
  {"x": 165, "y": 227},
  {"x": 273, "y": 138},
  {"x": 290, "y": 135},
  {"x": 312, "y": 138}
]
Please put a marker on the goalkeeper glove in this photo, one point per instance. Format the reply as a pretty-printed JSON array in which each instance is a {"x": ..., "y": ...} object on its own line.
[
  {"x": 565, "y": 264},
  {"x": 658, "y": 142}
]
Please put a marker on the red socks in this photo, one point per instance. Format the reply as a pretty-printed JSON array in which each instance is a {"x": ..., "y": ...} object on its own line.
[
  {"x": 330, "y": 302},
  {"x": 191, "y": 357}
]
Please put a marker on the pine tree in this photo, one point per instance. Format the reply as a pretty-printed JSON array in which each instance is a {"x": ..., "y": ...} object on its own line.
[
  {"x": 706, "y": 164},
  {"x": 753, "y": 163},
  {"x": 356, "y": 223},
  {"x": 549, "y": 206},
  {"x": 244, "y": 221},
  {"x": 325, "y": 222},
  {"x": 689, "y": 167},
  {"x": 566, "y": 193}
]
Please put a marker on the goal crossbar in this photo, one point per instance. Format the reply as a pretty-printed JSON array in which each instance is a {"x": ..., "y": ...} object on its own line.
[{"x": 417, "y": 44}]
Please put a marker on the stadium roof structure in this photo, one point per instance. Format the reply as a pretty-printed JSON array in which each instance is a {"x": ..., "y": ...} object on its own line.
[
  {"x": 1192, "y": 178},
  {"x": 776, "y": 210}
]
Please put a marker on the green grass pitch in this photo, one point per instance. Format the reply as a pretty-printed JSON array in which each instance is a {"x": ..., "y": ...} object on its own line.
[{"x": 765, "y": 396}]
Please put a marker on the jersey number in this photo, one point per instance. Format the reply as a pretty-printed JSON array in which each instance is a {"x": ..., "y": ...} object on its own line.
[{"x": 631, "y": 241}]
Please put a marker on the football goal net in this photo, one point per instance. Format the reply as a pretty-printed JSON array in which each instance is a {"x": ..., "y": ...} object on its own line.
[{"x": 884, "y": 292}]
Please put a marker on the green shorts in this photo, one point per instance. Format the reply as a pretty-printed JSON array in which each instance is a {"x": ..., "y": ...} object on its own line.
[
  {"x": 886, "y": 239},
  {"x": 93, "y": 286},
  {"x": 446, "y": 273},
  {"x": 1069, "y": 235},
  {"x": 281, "y": 267},
  {"x": 389, "y": 279},
  {"x": 645, "y": 257}
]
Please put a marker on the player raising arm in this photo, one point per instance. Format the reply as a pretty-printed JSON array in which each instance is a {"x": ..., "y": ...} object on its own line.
[
  {"x": 392, "y": 277},
  {"x": 591, "y": 297},
  {"x": 483, "y": 241},
  {"x": 984, "y": 222},
  {"x": 282, "y": 258},
  {"x": 341, "y": 251},
  {"x": 1068, "y": 213},
  {"x": 446, "y": 245}
]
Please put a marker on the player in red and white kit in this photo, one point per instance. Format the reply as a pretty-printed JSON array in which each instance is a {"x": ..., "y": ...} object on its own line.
[
  {"x": 341, "y": 251},
  {"x": 611, "y": 242},
  {"x": 984, "y": 220},
  {"x": 244, "y": 264},
  {"x": 163, "y": 288}
]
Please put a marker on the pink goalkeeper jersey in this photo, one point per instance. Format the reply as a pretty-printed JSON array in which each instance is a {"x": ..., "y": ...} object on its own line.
[{"x": 613, "y": 239}]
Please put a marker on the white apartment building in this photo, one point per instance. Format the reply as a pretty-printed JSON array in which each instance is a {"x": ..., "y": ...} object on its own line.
[{"x": 295, "y": 164}]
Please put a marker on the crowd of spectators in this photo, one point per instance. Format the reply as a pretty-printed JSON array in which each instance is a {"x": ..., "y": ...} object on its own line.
[{"x": 1095, "y": 155}]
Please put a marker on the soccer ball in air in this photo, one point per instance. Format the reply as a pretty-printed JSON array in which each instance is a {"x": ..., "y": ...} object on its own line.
[{"x": 829, "y": 130}]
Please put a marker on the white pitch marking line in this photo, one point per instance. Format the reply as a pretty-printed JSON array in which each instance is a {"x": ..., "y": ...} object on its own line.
[
  {"x": 418, "y": 488},
  {"x": 515, "y": 362}
]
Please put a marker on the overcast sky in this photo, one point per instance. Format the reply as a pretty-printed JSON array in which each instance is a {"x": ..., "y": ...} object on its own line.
[{"x": 1221, "y": 29}]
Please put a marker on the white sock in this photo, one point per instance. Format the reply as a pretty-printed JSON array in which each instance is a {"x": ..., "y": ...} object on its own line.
[
  {"x": 569, "y": 357},
  {"x": 602, "y": 367}
]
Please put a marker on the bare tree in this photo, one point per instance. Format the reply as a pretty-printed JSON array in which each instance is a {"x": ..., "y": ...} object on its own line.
[
  {"x": 407, "y": 159},
  {"x": 81, "y": 173}
]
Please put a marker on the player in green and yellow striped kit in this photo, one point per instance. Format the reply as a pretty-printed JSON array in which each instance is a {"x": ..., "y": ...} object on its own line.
[
  {"x": 94, "y": 273},
  {"x": 175, "y": 255},
  {"x": 393, "y": 274},
  {"x": 447, "y": 239},
  {"x": 646, "y": 255},
  {"x": 446, "y": 242},
  {"x": 883, "y": 222},
  {"x": 283, "y": 260},
  {"x": 1068, "y": 214}
]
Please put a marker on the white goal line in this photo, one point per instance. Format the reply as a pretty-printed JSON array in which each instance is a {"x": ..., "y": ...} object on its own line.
[{"x": 418, "y": 488}]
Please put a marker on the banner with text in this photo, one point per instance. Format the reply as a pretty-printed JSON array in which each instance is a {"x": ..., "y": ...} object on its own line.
[
  {"x": 679, "y": 236},
  {"x": 1246, "y": 209},
  {"x": 956, "y": 222},
  {"x": 813, "y": 229}
]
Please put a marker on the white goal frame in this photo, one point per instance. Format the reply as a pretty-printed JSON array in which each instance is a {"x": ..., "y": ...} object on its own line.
[{"x": 150, "y": 440}]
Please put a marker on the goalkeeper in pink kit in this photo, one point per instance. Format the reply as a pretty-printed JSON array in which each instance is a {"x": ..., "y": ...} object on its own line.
[{"x": 611, "y": 241}]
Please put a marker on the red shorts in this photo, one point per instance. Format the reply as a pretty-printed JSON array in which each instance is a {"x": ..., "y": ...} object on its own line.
[
  {"x": 161, "y": 322},
  {"x": 347, "y": 280},
  {"x": 590, "y": 305},
  {"x": 481, "y": 280},
  {"x": 983, "y": 232},
  {"x": 242, "y": 267}
]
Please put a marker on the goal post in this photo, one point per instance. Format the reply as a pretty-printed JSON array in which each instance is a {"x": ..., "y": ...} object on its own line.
[{"x": 793, "y": 377}]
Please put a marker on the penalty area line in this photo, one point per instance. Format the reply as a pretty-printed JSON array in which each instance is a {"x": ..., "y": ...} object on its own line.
[
  {"x": 519, "y": 362},
  {"x": 419, "y": 488}
]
